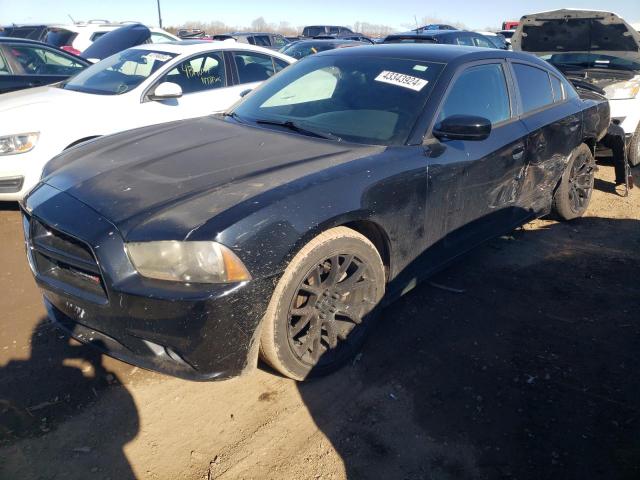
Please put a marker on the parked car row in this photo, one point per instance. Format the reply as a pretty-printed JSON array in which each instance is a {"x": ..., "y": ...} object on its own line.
[
  {"x": 139, "y": 86},
  {"x": 30, "y": 63},
  {"x": 77, "y": 37}
]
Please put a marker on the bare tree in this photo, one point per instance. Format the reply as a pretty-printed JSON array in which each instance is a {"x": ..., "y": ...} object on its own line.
[{"x": 285, "y": 28}]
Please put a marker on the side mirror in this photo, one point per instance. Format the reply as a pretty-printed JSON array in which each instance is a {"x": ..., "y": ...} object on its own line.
[
  {"x": 165, "y": 91},
  {"x": 463, "y": 127},
  {"x": 246, "y": 92}
]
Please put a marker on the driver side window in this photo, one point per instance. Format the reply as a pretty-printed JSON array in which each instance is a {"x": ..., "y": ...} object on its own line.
[
  {"x": 197, "y": 74},
  {"x": 480, "y": 91}
]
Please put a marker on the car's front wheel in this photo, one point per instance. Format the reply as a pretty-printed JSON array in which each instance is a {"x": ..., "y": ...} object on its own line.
[
  {"x": 323, "y": 305},
  {"x": 573, "y": 194}
]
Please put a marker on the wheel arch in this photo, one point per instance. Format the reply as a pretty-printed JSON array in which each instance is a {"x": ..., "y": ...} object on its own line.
[
  {"x": 82, "y": 140},
  {"x": 359, "y": 221}
]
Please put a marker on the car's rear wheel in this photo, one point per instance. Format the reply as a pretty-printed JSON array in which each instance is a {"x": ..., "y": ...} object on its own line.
[
  {"x": 573, "y": 194},
  {"x": 324, "y": 305}
]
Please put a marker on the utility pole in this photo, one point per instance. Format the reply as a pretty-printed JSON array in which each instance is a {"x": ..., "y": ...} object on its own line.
[{"x": 159, "y": 15}]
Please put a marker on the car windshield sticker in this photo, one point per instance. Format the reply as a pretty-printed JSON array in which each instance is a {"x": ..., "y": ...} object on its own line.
[
  {"x": 420, "y": 68},
  {"x": 401, "y": 80},
  {"x": 157, "y": 56}
]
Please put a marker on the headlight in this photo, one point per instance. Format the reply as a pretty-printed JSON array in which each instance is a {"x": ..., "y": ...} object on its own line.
[
  {"x": 191, "y": 262},
  {"x": 21, "y": 143},
  {"x": 623, "y": 90}
]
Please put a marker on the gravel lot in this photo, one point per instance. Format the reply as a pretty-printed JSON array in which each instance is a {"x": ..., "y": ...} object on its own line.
[{"x": 532, "y": 372}]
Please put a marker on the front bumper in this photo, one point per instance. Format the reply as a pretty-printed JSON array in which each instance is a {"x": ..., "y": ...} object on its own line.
[
  {"x": 22, "y": 171},
  {"x": 197, "y": 332},
  {"x": 627, "y": 113}
]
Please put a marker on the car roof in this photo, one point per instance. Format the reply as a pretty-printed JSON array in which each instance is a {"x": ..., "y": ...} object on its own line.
[
  {"x": 324, "y": 25},
  {"x": 24, "y": 40},
  {"x": 427, "y": 33},
  {"x": 320, "y": 41},
  {"x": 196, "y": 46},
  {"x": 251, "y": 33},
  {"x": 434, "y": 53}
]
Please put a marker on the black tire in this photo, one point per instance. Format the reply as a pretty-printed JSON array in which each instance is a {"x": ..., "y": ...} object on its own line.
[
  {"x": 311, "y": 325},
  {"x": 634, "y": 148},
  {"x": 573, "y": 194}
]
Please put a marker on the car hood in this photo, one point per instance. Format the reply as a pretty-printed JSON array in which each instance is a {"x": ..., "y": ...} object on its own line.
[
  {"x": 576, "y": 31},
  {"x": 35, "y": 108},
  {"x": 116, "y": 41},
  {"x": 144, "y": 176}
]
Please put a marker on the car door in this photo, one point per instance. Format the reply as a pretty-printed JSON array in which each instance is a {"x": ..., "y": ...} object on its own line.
[
  {"x": 474, "y": 186},
  {"x": 35, "y": 65},
  {"x": 205, "y": 88},
  {"x": 553, "y": 125}
]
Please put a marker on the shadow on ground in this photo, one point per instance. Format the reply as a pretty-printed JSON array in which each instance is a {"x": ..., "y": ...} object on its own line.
[
  {"x": 533, "y": 372},
  {"x": 55, "y": 384}
]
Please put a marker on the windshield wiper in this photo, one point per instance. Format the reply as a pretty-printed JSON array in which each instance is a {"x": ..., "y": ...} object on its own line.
[
  {"x": 233, "y": 115},
  {"x": 297, "y": 128}
]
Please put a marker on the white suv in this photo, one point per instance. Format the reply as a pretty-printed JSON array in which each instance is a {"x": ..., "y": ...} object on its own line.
[{"x": 76, "y": 37}]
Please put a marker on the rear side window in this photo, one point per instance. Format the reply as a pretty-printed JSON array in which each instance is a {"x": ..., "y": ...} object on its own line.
[
  {"x": 556, "y": 85},
  {"x": 160, "y": 38},
  {"x": 97, "y": 35},
  {"x": 261, "y": 40},
  {"x": 480, "y": 91},
  {"x": 482, "y": 42},
  {"x": 253, "y": 67},
  {"x": 313, "y": 31},
  {"x": 463, "y": 40},
  {"x": 534, "y": 86}
]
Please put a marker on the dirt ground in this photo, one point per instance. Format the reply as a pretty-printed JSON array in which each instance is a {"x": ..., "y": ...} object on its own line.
[{"x": 532, "y": 372}]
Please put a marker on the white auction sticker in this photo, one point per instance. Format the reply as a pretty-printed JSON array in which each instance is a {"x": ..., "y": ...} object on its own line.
[
  {"x": 157, "y": 56},
  {"x": 401, "y": 80}
]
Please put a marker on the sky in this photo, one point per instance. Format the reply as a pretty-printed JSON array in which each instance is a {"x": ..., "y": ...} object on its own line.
[{"x": 395, "y": 13}]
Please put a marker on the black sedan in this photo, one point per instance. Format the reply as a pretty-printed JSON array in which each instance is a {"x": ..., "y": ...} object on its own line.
[
  {"x": 281, "y": 228},
  {"x": 29, "y": 63}
]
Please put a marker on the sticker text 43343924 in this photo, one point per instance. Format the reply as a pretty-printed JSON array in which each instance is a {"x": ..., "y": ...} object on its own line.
[{"x": 401, "y": 80}]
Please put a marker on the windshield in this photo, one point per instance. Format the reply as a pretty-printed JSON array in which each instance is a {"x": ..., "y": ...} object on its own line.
[
  {"x": 358, "y": 99},
  {"x": 118, "y": 73},
  {"x": 590, "y": 60}
]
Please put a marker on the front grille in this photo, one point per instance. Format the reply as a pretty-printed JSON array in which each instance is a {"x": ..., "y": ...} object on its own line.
[{"x": 65, "y": 262}]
